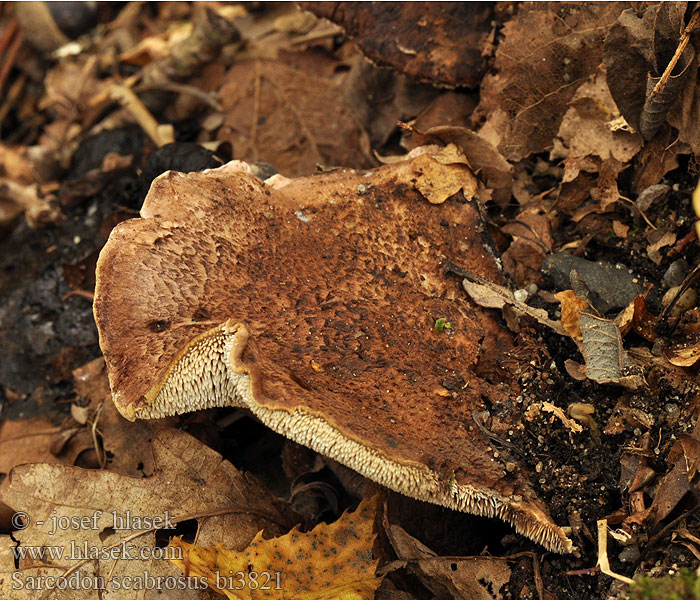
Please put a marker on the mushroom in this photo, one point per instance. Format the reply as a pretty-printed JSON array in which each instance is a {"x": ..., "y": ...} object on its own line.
[{"x": 314, "y": 306}]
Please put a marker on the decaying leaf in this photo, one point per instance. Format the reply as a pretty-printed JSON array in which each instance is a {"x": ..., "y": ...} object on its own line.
[
  {"x": 481, "y": 155},
  {"x": 602, "y": 348},
  {"x": 684, "y": 458},
  {"x": 442, "y": 175},
  {"x": 116, "y": 511},
  {"x": 127, "y": 446},
  {"x": 587, "y": 130},
  {"x": 637, "y": 50},
  {"x": 290, "y": 118},
  {"x": 659, "y": 240},
  {"x": 548, "y": 51},
  {"x": 39, "y": 440},
  {"x": 226, "y": 288},
  {"x": 491, "y": 295},
  {"x": 447, "y": 49},
  {"x": 571, "y": 307},
  {"x": 474, "y": 577},
  {"x": 330, "y": 561}
]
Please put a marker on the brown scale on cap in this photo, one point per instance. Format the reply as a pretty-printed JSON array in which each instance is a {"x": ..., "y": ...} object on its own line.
[{"x": 314, "y": 306}]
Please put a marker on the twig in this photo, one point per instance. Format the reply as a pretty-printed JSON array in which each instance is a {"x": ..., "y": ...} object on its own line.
[
  {"x": 181, "y": 88},
  {"x": 9, "y": 59},
  {"x": 641, "y": 212},
  {"x": 160, "y": 134},
  {"x": 684, "y": 39},
  {"x": 603, "y": 562}
]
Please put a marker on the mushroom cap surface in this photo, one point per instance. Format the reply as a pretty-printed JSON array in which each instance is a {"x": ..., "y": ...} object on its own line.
[{"x": 314, "y": 306}]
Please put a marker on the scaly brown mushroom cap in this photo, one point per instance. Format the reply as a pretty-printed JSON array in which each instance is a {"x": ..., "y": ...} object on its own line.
[{"x": 314, "y": 306}]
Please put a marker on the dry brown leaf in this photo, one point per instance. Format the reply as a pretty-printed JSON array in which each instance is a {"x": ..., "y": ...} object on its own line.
[
  {"x": 656, "y": 158},
  {"x": 442, "y": 175},
  {"x": 39, "y": 440},
  {"x": 685, "y": 354},
  {"x": 548, "y": 51},
  {"x": 532, "y": 242},
  {"x": 660, "y": 239},
  {"x": 491, "y": 295},
  {"x": 330, "y": 561},
  {"x": 126, "y": 445},
  {"x": 381, "y": 97},
  {"x": 586, "y": 129},
  {"x": 572, "y": 425},
  {"x": 571, "y": 307},
  {"x": 628, "y": 55},
  {"x": 473, "y": 577},
  {"x": 482, "y": 156},
  {"x": 191, "y": 481},
  {"x": 684, "y": 459},
  {"x": 446, "y": 49},
  {"x": 291, "y": 118}
]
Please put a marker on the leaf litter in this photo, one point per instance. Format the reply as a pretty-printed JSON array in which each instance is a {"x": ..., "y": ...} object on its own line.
[{"x": 570, "y": 126}]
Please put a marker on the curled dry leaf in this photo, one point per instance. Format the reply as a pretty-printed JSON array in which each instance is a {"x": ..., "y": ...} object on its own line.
[
  {"x": 586, "y": 129},
  {"x": 491, "y": 295},
  {"x": 660, "y": 239},
  {"x": 482, "y": 156},
  {"x": 474, "y": 577},
  {"x": 602, "y": 349},
  {"x": 571, "y": 307},
  {"x": 548, "y": 51},
  {"x": 444, "y": 174},
  {"x": 637, "y": 50},
  {"x": 684, "y": 459},
  {"x": 225, "y": 289},
  {"x": 685, "y": 354}
]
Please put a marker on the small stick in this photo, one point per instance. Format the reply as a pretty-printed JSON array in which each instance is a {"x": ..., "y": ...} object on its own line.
[
  {"x": 160, "y": 134},
  {"x": 603, "y": 563},
  {"x": 685, "y": 38},
  {"x": 9, "y": 59}
]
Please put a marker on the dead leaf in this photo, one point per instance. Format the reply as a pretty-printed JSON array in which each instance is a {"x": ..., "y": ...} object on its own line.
[
  {"x": 571, "y": 307},
  {"x": 570, "y": 424},
  {"x": 602, "y": 349},
  {"x": 481, "y": 155},
  {"x": 490, "y": 295},
  {"x": 548, "y": 51},
  {"x": 126, "y": 445},
  {"x": 191, "y": 482},
  {"x": 684, "y": 354},
  {"x": 473, "y": 577},
  {"x": 440, "y": 176},
  {"x": 328, "y": 562},
  {"x": 659, "y": 239},
  {"x": 447, "y": 49},
  {"x": 684, "y": 458},
  {"x": 532, "y": 242},
  {"x": 290, "y": 118},
  {"x": 381, "y": 97},
  {"x": 39, "y": 440},
  {"x": 586, "y": 128},
  {"x": 656, "y": 158},
  {"x": 668, "y": 26}
]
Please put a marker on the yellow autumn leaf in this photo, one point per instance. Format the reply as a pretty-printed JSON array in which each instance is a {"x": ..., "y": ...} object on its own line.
[{"x": 327, "y": 563}]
